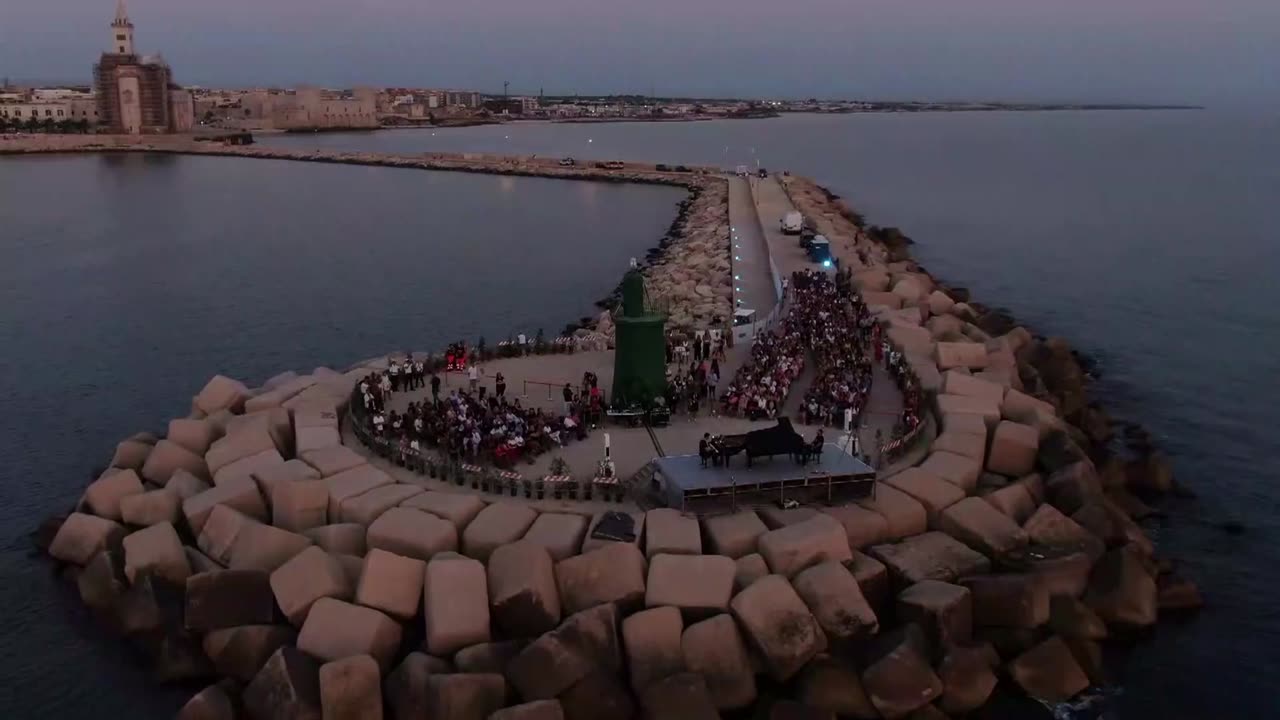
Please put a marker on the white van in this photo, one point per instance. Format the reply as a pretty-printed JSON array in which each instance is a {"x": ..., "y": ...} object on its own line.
[{"x": 792, "y": 223}]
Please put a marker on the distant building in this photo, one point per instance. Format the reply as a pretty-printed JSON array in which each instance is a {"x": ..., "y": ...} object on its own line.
[
  {"x": 55, "y": 105},
  {"x": 137, "y": 95},
  {"x": 304, "y": 109}
]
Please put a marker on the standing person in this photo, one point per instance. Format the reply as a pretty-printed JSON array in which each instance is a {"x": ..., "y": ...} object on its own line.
[
  {"x": 568, "y": 399},
  {"x": 500, "y": 386},
  {"x": 435, "y": 388},
  {"x": 394, "y": 372},
  {"x": 473, "y": 376}
]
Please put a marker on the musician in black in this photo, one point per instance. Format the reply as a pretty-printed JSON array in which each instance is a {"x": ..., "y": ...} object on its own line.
[{"x": 704, "y": 448}]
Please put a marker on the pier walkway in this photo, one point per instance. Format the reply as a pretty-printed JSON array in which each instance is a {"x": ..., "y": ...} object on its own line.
[{"x": 753, "y": 282}]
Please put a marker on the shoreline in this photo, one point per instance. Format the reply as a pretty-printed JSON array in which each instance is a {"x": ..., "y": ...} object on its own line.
[{"x": 1048, "y": 472}]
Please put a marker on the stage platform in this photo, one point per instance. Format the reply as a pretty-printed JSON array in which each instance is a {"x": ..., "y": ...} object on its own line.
[{"x": 838, "y": 477}]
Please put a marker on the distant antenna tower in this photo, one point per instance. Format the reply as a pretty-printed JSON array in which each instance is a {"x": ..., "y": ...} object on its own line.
[{"x": 505, "y": 85}]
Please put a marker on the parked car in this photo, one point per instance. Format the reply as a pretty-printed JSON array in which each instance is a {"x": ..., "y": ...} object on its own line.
[
  {"x": 613, "y": 165},
  {"x": 792, "y": 223},
  {"x": 763, "y": 173},
  {"x": 567, "y": 162},
  {"x": 681, "y": 168},
  {"x": 661, "y": 168}
]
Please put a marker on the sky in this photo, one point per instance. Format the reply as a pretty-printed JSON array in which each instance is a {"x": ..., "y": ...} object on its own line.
[{"x": 1158, "y": 51}]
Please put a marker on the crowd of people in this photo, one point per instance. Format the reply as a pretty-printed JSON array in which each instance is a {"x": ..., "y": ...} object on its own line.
[
  {"x": 837, "y": 328},
  {"x": 468, "y": 425}
]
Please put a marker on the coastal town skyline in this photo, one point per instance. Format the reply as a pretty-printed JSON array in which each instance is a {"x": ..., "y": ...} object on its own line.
[{"x": 988, "y": 52}]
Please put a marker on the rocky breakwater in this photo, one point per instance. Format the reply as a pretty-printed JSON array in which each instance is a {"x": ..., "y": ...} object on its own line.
[
  {"x": 250, "y": 550},
  {"x": 1028, "y": 471}
]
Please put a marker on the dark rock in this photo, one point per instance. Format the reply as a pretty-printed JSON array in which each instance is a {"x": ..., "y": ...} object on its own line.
[
  {"x": 1151, "y": 474},
  {"x": 792, "y": 710},
  {"x": 102, "y": 583},
  {"x": 1122, "y": 590},
  {"x": 42, "y": 537},
  {"x": 286, "y": 688},
  {"x": 562, "y": 657},
  {"x": 351, "y": 689},
  {"x": 1071, "y": 618},
  {"x": 901, "y": 680},
  {"x": 536, "y": 710},
  {"x": 405, "y": 689},
  {"x": 1020, "y": 600},
  {"x": 1175, "y": 593},
  {"x": 833, "y": 685},
  {"x": 152, "y": 605},
  {"x": 1008, "y": 642},
  {"x": 229, "y": 598},
  {"x": 943, "y": 610}
]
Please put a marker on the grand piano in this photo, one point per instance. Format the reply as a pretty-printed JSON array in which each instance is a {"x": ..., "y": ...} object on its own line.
[{"x": 782, "y": 439}]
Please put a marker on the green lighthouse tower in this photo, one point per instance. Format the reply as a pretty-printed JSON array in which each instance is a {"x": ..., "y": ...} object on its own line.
[{"x": 640, "y": 360}]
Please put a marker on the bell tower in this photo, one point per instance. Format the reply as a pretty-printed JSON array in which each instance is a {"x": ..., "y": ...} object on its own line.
[{"x": 121, "y": 32}]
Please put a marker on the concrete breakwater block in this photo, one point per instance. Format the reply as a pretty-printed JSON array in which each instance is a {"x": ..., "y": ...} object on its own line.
[
  {"x": 150, "y": 508},
  {"x": 779, "y": 626},
  {"x": 536, "y": 710},
  {"x": 332, "y": 460},
  {"x": 652, "y": 642},
  {"x": 904, "y": 515},
  {"x": 793, "y": 548},
  {"x": 833, "y": 597},
  {"x": 308, "y": 576},
  {"x": 967, "y": 679},
  {"x": 1048, "y": 527},
  {"x": 497, "y": 524},
  {"x": 265, "y": 461},
  {"x": 1049, "y": 672},
  {"x": 1014, "y": 600},
  {"x": 1013, "y": 449},
  {"x": 970, "y": 355},
  {"x": 684, "y": 697},
  {"x": 591, "y": 543},
  {"x": 872, "y": 578},
  {"x": 287, "y": 686},
  {"x": 880, "y": 298},
  {"x": 339, "y": 538},
  {"x": 405, "y": 689},
  {"x": 391, "y": 583},
  {"x": 560, "y": 533},
  {"x": 351, "y": 689},
  {"x": 335, "y": 629},
  {"x": 240, "y": 494},
  {"x": 775, "y": 517},
  {"x": 733, "y": 535},
  {"x": 672, "y": 532},
  {"x": 228, "y": 598},
  {"x": 350, "y": 483},
  {"x": 458, "y": 508},
  {"x": 412, "y": 533},
  {"x": 82, "y": 536},
  {"x": 102, "y": 584},
  {"x": 968, "y": 444},
  {"x": 236, "y": 446},
  {"x": 455, "y": 604},
  {"x": 698, "y": 585},
  {"x": 240, "y": 652},
  {"x": 211, "y": 703},
  {"x": 1121, "y": 590},
  {"x": 975, "y": 523},
  {"x": 748, "y": 569},
  {"x": 222, "y": 393},
  {"x": 185, "y": 485},
  {"x": 1014, "y": 501},
  {"x": 131, "y": 454},
  {"x": 491, "y": 657},
  {"x": 219, "y": 532},
  {"x": 943, "y": 611},
  {"x": 157, "y": 550},
  {"x": 370, "y": 505},
  {"x": 194, "y": 435},
  {"x": 561, "y": 658},
  {"x": 523, "y": 598},
  {"x": 929, "y": 556},
  {"x": 168, "y": 457},
  {"x": 465, "y": 696},
  {"x": 613, "y": 574},
  {"x": 269, "y": 476},
  {"x": 276, "y": 423},
  {"x": 714, "y": 649},
  {"x": 862, "y": 527},
  {"x": 263, "y": 547},
  {"x": 961, "y": 471},
  {"x": 299, "y": 505},
  {"x": 969, "y": 405},
  {"x": 901, "y": 680},
  {"x": 831, "y": 685},
  {"x": 931, "y": 491},
  {"x": 955, "y": 382}
]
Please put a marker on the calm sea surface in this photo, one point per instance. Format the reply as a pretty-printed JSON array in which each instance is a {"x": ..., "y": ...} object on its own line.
[{"x": 1146, "y": 238}]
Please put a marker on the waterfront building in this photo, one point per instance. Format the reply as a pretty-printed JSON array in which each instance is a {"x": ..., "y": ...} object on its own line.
[
  {"x": 305, "y": 108},
  {"x": 136, "y": 94},
  {"x": 51, "y": 105}
]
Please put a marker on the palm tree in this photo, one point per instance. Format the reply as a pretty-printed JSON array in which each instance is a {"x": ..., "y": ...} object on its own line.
[
  {"x": 47, "y": 125},
  {"x": 32, "y": 124}
]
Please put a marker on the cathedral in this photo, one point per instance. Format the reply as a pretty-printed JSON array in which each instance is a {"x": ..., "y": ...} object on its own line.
[{"x": 136, "y": 94}]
